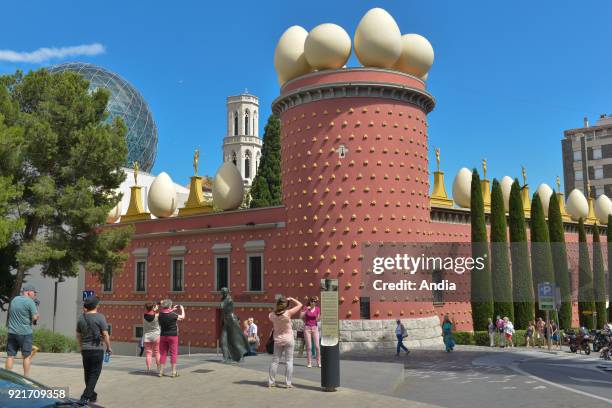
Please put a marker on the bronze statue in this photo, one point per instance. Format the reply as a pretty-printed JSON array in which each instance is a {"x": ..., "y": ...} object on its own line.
[
  {"x": 524, "y": 174},
  {"x": 234, "y": 344},
  {"x": 136, "y": 167},
  {"x": 558, "y": 184},
  {"x": 438, "y": 158},
  {"x": 484, "y": 169}
]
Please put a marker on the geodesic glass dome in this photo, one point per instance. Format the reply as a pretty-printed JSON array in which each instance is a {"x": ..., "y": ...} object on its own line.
[{"x": 127, "y": 103}]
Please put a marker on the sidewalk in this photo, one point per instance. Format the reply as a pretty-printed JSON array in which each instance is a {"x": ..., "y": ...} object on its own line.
[{"x": 203, "y": 382}]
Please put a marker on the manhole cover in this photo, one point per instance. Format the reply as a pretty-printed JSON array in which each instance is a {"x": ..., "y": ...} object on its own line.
[{"x": 202, "y": 371}]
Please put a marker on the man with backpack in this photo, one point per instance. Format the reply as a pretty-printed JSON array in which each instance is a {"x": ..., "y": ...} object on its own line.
[
  {"x": 93, "y": 339},
  {"x": 401, "y": 334}
]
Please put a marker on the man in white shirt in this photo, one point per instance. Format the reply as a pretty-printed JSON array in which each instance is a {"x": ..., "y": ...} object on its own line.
[{"x": 252, "y": 337}]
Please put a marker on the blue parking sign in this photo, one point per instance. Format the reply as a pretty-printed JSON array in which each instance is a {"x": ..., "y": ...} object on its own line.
[
  {"x": 546, "y": 296},
  {"x": 88, "y": 294}
]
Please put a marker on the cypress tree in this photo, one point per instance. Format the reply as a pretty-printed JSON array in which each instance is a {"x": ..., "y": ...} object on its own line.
[
  {"x": 501, "y": 280},
  {"x": 541, "y": 258},
  {"x": 266, "y": 189},
  {"x": 482, "y": 297},
  {"x": 586, "y": 304},
  {"x": 559, "y": 256},
  {"x": 599, "y": 280},
  {"x": 609, "y": 235},
  {"x": 522, "y": 284}
]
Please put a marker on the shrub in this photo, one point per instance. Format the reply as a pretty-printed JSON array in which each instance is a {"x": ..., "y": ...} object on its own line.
[
  {"x": 481, "y": 338},
  {"x": 46, "y": 341},
  {"x": 464, "y": 338}
]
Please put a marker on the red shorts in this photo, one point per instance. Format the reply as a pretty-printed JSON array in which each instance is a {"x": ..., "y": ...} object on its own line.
[{"x": 509, "y": 336}]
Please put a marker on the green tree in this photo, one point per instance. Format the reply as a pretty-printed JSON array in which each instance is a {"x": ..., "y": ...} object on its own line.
[
  {"x": 586, "y": 299},
  {"x": 541, "y": 257},
  {"x": 609, "y": 236},
  {"x": 599, "y": 280},
  {"x": 266, "y": 189},
  {"x": 559, "y": 257},
  {"x": 482, "y": 296},
  {"x": 522, "y": 284},
  {"x": 500, "y": 268},
  {"x": 65, "y": 171}
]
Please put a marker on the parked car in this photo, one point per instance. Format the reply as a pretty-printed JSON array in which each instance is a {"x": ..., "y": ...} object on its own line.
[{"x": 17, "y": 391}]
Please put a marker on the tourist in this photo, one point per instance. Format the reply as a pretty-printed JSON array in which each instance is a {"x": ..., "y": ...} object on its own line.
[
  {"x": 540, "y": 325},
  {"x": 529, "y": 334},
  {"x": 92, "y": 339},
  {"x": 22, "y": 314},
  {"x": 447, "y": 332},
  {"x": 400, "y": 333},
  {"x": 556, "y": 337},
  {"x": 151, "y": 332},
  {"x": 499, "y": 323},
  {"x": 311, "y": 315},
  {"x": 491, "y": 328},
  {"x": 299, "y": 336},
  {"x": 168, "y": 338},
  {"x": 252, "y": 337},
  {"x": 284, "y": 344},
  {"x": 509, "y": 332}
]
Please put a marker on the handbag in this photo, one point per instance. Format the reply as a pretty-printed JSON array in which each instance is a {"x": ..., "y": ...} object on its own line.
[{"x": 270, "y": 343}]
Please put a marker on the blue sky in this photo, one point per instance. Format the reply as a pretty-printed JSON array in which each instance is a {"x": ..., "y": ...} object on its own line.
[{"x": 508, "y": 77}]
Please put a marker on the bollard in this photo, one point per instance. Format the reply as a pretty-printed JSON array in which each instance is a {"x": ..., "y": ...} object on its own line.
[{"x": 330, "y": 370}]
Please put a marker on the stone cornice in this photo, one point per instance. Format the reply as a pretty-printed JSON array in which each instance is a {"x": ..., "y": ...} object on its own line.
[{"x": 356, "y": 89}]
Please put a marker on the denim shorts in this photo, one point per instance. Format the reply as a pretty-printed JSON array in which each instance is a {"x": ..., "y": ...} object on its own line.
[{"x": 16, "y": 342}]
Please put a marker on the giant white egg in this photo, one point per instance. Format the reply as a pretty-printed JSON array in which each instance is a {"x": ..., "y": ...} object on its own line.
[
  {"x": 417, "y": 55},
  {"x": 378, "y": 40},
  {"x": 289, "y": 58},
  {"x": 506, "y": 187},
  {"x": 577, "y": 205},
  {"x": 327, "y": 46},
  {"x": 603, "y": 208},
  {"x": 425, "y": 77},
  {"x": 162, "y": 196},
  {"x": 227, "y": 188},
  {"x": 545, "y": 192},
  {"x": 114, "y": 214},
  {"x": 462, "y": 187}
]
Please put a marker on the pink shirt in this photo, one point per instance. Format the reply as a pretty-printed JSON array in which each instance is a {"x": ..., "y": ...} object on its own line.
[
  {"x": 283, "y": 333},
  {"x": 310, "y": 316}
]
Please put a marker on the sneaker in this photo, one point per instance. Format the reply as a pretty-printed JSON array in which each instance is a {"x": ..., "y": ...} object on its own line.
[
  {"x": 309, "y": 365},
  {"x": 319, "y": 365},
  {"x": 289, "y": 386}
]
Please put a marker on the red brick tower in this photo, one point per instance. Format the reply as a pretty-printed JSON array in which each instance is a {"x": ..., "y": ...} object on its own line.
[{"x": 354, "y": 170}]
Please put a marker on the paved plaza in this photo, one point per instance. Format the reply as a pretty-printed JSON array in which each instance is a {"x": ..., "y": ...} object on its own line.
[{"x": 471, "y": 376}]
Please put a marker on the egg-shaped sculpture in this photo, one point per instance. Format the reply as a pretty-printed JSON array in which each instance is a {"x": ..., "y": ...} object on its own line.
[
  {"x": 462, "y": 186},
  {"x": 577, "y": 205},
  {"x": 162, "y": 196},
  {"x": 506, "y": 187},
  {"x": 545, "y": 192},
  {"x": 289, "y": 58},
  {"x": 327, "y": 46},
  {"x": 114, "y": 214},
  {"x": 227, "y": 188},
  {"x": 425, "y": 77},
  {"x": 378, "y": 40},
  {"x": 417, "y": 55},
  {"x": 603, "y": 208}
]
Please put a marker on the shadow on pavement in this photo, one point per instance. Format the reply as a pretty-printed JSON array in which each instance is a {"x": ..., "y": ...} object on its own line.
[{"x": 265, "y": 385}]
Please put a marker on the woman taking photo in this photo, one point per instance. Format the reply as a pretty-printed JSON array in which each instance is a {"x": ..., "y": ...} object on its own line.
[
  {"x": 150, "y": 334},
  {"x": 283, "y": 337},
  {"x": 311, "y": 315},
  {"x": 168, "y": 339}
]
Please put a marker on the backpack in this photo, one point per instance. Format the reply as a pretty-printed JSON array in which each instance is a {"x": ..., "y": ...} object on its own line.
[{"x": 94, "y": 329}]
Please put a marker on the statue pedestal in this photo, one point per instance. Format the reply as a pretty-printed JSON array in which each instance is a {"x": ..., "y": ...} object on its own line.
[
  {"x": 195, "y": 203},
  {"x": 526, "y": 201},
  {"x": 438, "y": 195},
  {"x": 135, "y": 211},
  {"x": 591, "y": 219},
  {"x": 485, "y": 186},
  {"x": 564, "y": 215}
]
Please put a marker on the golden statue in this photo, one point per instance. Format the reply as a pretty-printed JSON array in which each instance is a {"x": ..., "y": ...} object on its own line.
[
  {"x": 558, "y": 184},
  {"x": 136, "y": 167},
  {"x": 484, "y": 169},
  {"x": 438, "y": 158},
  {"x": 524, "y": 173},
  {"x": 196, "y": 160}
]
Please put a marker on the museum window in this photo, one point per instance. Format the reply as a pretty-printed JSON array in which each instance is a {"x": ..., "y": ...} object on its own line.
[
  {"x": 138, "y": 331},
  {"x": 578, "y": 175},
  {"x": 247, "y": 164},
  {"x": 596, "y": 153},
  {"x": 107, "y": 280},
  {"x": 178, "y": 275},
  {"x": 221, "y": 272},
  {"x": 235, "y": 124},
  {"x": 364, "y": 307},
  {"x": 255, "y": 273},
  {"x": 577, "y": 155},
  {"x": 246, "y": 123},
  {"x": 598, "y": 173},
  {"x": 438, "y": 295},
  {"x": 141, "y": 276}
]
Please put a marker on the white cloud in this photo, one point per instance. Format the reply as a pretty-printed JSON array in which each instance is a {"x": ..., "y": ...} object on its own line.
[{"x": 46, "y": 54}]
